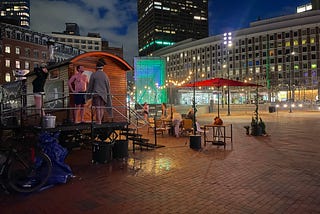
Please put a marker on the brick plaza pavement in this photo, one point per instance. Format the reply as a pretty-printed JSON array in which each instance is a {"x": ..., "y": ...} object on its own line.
[{"x": 278, "y": 173}]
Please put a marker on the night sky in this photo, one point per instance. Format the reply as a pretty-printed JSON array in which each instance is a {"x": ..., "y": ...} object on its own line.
[{"x": 116, "y": 20}]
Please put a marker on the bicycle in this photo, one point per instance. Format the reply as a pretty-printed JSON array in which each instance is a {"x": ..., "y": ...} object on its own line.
[{"x": 24, "y": 168}]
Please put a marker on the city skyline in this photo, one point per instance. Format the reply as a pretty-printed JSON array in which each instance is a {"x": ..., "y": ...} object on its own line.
[{"x": 116, "y": 21}]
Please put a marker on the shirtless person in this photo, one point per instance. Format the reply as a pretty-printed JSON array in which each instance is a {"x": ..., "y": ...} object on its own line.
[{"x": 78, "y": 84}]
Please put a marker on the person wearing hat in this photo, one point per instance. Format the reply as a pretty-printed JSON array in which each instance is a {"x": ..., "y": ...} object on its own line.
[
  {"x": 99, "y": 87},
  {"x": 38, "y": 86}
]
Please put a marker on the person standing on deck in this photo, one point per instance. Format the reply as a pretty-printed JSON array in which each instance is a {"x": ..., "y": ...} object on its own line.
[
  {"x": 38, "y": 87},
  {"x": 99, "y": 88},
  {"x": 78, "y": 84}
]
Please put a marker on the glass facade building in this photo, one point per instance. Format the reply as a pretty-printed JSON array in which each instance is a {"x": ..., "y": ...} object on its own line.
[
  {"x": 281, "y": 53},
  {"x": 162, "y": 23},
  {"x": 16, "y": 12}
]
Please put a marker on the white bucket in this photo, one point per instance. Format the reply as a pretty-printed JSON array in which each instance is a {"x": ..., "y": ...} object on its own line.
[{"x": 49, "y": 121}]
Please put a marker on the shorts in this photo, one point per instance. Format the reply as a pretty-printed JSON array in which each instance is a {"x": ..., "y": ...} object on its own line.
[
  {"x": 79, "y": 99},
  {"x": 98, "y": 101}
]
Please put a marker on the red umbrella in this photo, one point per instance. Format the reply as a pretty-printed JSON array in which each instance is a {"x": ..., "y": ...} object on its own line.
[{"x": 219, "y": 82}]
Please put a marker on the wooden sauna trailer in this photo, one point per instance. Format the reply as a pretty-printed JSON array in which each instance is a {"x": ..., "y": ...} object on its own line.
[{"x": 58, "y": 100}]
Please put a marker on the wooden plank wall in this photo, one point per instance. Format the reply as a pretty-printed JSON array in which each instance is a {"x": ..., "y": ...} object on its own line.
[{"x": 117, "y": 74}]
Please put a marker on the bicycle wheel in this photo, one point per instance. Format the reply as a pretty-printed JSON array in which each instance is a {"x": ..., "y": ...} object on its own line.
[{"x": 29, "y": 171}]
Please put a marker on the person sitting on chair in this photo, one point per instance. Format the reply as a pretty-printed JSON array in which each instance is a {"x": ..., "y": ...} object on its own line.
[{"x": 190, "y": 114}]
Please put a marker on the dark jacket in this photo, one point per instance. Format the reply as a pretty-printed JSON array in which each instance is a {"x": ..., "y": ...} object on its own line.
[{"x": 39, "y": 81}]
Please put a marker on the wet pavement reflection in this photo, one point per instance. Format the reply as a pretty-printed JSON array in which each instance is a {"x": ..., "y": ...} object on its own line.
[{"x": 277, "y": 173}]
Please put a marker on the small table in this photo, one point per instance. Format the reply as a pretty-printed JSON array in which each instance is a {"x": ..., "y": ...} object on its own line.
[{"x": 219, "y": 134}]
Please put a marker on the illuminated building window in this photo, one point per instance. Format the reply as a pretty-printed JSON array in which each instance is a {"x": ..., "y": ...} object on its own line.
[
  {"x": 8, "y": 63},
  {"x": 18, "y": 64},
  {"x": 27, "y": 65},
  {"x": 295, "y": 42},
  {"x": 279, "y": 67},
  {"x": 271, "y": 53},
  {"x": 313, "y": 65},
  {"x": 312, "y": 40},
  {"x": 8, "y": 77},
  {"x": 7, "y": 49},
  {"x": 304, "y": 41},
  {"x": 17, "y": 50}
]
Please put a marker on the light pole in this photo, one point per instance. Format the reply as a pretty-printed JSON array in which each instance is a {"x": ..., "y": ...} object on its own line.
[
  {"x": 195, "y": 73},
  {"x": 170, "y": 84},
  {"x": 290, "y": 71},
  {"x": 227, "y": 37}
]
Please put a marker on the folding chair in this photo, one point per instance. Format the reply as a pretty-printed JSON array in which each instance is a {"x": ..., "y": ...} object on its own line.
[{"x": 186, "y": 127}]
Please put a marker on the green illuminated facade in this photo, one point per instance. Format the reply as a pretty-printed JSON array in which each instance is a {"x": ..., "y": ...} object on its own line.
[{"x": 150, "y": 80}]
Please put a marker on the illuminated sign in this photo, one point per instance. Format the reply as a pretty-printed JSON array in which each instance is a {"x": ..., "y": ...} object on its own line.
[{"x": 150, "y": 80}]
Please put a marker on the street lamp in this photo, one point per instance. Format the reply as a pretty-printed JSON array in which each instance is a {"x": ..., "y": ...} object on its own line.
[
  {"x": 290, "y": 90},
  {"x": 227, "y": 37},
  {"x": 170, "y": 84}
]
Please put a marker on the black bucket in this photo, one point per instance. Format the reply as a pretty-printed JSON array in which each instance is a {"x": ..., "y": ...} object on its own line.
[
  {"x": 101, "y": 152},
  {"x": 120, "y": 149}
]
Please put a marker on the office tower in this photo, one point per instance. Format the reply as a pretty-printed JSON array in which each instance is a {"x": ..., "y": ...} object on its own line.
[
  {"x": 16, "y": 12},
  {"x": 315, "y": 4},
  {"x": 162, "y": 23}
]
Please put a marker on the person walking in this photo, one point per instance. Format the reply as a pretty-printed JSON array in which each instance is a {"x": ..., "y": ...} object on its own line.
[
  {"x": 99, "y": 87},
  {"x": 78, "y": 84},
  {"x": 38, "y": 87},
  {"x": 146, "y": 111},
  {"x": 176, "y": 121},
  {"x": 163, "y": 110}
]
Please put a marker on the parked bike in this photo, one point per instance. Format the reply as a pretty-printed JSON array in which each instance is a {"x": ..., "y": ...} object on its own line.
[{"x": 23, "y": 166}]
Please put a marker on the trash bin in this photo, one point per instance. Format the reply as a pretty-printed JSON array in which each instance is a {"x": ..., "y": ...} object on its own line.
[
  {"x": 195, "y": 141},
  {"x": 272, "y": 109},
  {"x": 120, "y": 149}
]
